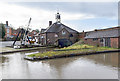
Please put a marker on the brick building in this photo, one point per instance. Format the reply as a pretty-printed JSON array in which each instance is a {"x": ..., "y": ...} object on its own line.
[
  {"x": 15, "y": 32},
  {"x": 58, "y": 33},
  {"x": 32, "y": 33},
  {"x": 82, "y": 35},
  {"x": 8, "y": 29},
  {"x": 10, "y": 32},
  {"x": 42, "y": 37},
  {"x": 109, "y": 37}
]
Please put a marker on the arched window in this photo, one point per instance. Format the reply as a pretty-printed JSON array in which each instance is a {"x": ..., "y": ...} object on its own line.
[{"x": 71, "y": 35}]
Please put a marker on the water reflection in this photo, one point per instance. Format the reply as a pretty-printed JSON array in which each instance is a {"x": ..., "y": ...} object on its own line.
[
  {"x": 0, "y": 67},
  {"x": 102, "y": 66},
  {"x": 119, "y": 66},
  {"x": 86, "y": 66},
  {"x": 3, "y": 59},
  {"x": 105, "y": 59}
]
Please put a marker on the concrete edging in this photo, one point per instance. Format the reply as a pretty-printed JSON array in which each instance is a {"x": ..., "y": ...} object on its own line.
[
  {"x": 30, "y": 49},
  {"x": 70, "y": 55}
]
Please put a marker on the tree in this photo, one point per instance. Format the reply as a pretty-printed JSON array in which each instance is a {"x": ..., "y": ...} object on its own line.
[
  {"x": 37, "y": 30},
  {"x": 2, "y": 30}
]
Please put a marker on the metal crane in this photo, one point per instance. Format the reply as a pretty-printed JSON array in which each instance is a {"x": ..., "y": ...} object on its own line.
[{"x": 24, "y": 35}]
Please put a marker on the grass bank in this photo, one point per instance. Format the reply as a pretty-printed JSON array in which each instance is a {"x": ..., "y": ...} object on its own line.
[{"x": 74, "y": 49}]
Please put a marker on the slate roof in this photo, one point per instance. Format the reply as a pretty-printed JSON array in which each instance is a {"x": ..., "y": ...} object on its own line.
[
  {"x": 56, "y": 27},
  {"x": 42, "y": 30},
  {"x": 113, "y": 32}
]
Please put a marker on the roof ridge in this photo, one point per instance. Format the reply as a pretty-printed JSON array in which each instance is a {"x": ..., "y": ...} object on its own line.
[
  {"x": 49, "y": 27},
  {"x": 56, "y": 27},
  {"x": 105, "y": 29},
  {"x": 69, "y": 28}
]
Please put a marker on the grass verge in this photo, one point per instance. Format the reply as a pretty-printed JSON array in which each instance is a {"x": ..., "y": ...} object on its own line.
[{"x": 82, "y": 48}]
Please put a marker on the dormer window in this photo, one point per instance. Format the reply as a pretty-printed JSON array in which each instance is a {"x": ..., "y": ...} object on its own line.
[{"x": 63, "y": 32}]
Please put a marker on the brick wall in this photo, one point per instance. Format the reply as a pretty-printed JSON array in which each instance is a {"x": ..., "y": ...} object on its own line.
[
  {"x": 94, "y": 43},
  {"x": 114, "y": 42},
  {"x": 81, "y": 35},
  {"x": 66, "y": 35},
  {"x": 8, "y": 31},
  {"x": 119, "y": 42},
  {"x": 51, "y": 39},
  {"x": 43, "y": 39},
  {"x": 75, "y": 37}
]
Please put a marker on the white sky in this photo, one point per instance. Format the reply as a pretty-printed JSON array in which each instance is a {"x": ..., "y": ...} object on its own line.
[
  {"x": 60, "y": 0},
  {"x": 18, "y": 15}
]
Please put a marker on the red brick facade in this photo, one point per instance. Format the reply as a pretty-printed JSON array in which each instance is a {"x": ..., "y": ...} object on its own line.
[
  {"x": 52, "y": 38},
  {"x": 104, "y": 37},
  {"x": 119, "y": 42},
  {"x": 8, "y": 32},
  {"x": 81, "y": 35},
  {"x": 93, "y": 42},
  {"x": 114, "y": 42}
]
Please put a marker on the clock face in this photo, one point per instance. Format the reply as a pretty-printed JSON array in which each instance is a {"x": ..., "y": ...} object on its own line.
[{"x": 63, "y": 32}]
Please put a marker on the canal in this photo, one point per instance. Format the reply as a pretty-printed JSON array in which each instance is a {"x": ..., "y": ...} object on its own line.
[{"x": 101, "y": 66}]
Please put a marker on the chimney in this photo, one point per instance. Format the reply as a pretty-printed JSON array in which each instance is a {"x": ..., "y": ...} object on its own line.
[
  {"x": 7, "y": 23},
  {"x": 95, "y": 30},
  {"x": 50, "y": 23}
]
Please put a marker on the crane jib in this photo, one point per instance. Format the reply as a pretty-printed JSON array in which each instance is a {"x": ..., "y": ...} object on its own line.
[{"x": 24, "y": 34}]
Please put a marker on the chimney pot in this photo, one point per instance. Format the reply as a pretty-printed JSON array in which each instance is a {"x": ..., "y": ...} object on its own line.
[
  {"x": 7, "y": 23},
  {"x": 50, "y": 23}
]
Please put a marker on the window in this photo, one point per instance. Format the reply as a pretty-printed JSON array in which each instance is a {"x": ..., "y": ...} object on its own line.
[
  {"x": 63, "y": 32},
  {"x": 95, "y": 39},
  {"x": 8, "y": 30},
  {"x": 71, "y": 35},
  {"x": 101, "y": 40}
]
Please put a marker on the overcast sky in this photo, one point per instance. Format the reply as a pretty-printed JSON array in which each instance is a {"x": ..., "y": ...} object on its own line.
[{"x": 77, "y": 15}]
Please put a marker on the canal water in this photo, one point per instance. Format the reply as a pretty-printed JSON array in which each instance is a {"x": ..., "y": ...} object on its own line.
[
  {"x": 8, "y": 43},
  {"x": 101, "y": 66}
]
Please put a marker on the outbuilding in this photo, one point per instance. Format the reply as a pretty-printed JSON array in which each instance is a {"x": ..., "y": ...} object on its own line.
[{"x": 109, "y": 37}]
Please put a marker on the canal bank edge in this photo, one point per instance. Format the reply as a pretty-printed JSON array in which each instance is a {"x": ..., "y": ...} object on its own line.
[
  {"x": 23, "y": 50},
  {"x": 70, "y": 55}
]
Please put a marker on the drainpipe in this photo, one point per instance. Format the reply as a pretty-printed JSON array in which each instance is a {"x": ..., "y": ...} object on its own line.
[{"x": 46, "y": 39}]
